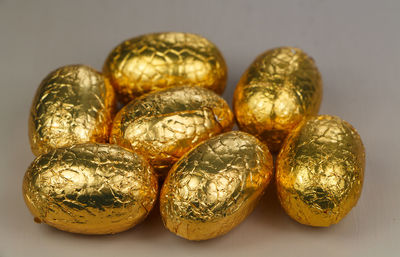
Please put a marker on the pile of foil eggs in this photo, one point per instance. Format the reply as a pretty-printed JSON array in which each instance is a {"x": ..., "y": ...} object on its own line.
[{"x": 100, "y": 170}]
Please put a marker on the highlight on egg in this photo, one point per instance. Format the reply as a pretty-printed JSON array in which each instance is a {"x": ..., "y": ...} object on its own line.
[
  {"x": 280, "y": 88},
  {"x": 165, "y": 124},
  {"x": 320, "y": 171},
  {"x": 90, "y": 188},
  {"x": 74, "y": 104},
  {"x": 160, "y": 60},
  {"x": 215, "y": 186}
]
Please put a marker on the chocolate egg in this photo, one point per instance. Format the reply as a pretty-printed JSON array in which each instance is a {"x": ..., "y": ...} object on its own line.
[
  {"x": 320, "y": 171},
  {"x": 73, "y": 104},
  {"x": 215, "y": 186},
  {"x": 160, "y": 60},
  {"x": 90, "y": 188},
  {"x": 279, "y": 89},
  {"x": 165, "y": 124}
]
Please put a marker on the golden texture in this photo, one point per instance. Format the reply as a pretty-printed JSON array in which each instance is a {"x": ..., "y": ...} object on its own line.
[
  {"x": 165, "y": 124},
  {"x": 73, "y": 104},
  {"x": 215, "y": 186},
  {"x": 320, "y": 171},
  {"x": 90, "y": 188},
  {"x": 154, "y": 61},
  {"x": 279, "y": 89}
]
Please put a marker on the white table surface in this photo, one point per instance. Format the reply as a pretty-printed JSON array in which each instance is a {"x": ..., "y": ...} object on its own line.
[{"x": 356, "y": 45}]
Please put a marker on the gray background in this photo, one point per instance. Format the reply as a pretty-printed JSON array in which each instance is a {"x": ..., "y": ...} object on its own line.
[{"x": 355, "y": 44}]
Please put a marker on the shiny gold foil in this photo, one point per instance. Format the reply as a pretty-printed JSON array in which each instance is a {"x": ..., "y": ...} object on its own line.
[
  {"x": 165, "y": 124},
  {"x": 279, "y": 89},
  {"x": 90, "y": 188},
  {"x": 320, "y": 171},
  {"x": 160, "y": 60},
  {"x": 73, "y": 104},
  {"x": 215, "y": 186}
]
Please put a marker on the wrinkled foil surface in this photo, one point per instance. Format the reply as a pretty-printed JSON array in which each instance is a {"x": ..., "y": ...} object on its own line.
[
  {"x": 90, "y": 188},
  {"x": 320, "y": 171},
  {"x": 279, "y": 89},
  {"x": 215, "y": 186},
  {"x": 154, "y": 61},
  {"x": 73, "y": 104},
  {"x": 165, "y": 124}
]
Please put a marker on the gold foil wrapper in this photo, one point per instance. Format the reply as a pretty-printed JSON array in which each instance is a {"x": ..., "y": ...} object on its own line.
[
  {"x": 215, "y": 186},
  {"x": 165, "y": 124},
  {"x": 90, "y": 188},
  {"x": 73, "y": 104},
  {"x": 320, "y": 171},
  {"x": 160, "y": 60},
  {"x": 279, "y": 89}
]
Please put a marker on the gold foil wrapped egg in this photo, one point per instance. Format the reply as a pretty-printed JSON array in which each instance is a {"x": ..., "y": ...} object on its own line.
[
  {"x": 73, "y": 104},
  {"x": 279, "y": 89},
  {"x": 165, "y": 124},
  {"x": 320, "y": 171},
  {"x": 90, "y": 188},
  {"x": 160, "y": 60},
  {"x": 215, "y": 186}
]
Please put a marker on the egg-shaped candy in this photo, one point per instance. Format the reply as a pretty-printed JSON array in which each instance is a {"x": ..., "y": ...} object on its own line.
[
  {"x": 90, "y": 188},
  {"x": 160, "y": 60},
  {"x": 280, "y": 89},
  {"x": 165, "y": 124},
  {"x": 320, "y": 171},
  {"x": 215, "y": 186},
  {"x": 73, "y": 104}
]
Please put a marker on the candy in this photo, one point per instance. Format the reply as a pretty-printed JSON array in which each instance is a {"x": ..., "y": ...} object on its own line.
[
  {"x": 279, "y": 89},
  {"x": 90, "y": 188},
  {"x": 320, "y": 171},
  {"x": 215, "y": 186},
  {"x": 73, "y": 104},
  {"x": 154, "y": 61},
  {"x": 165, "y": 124}
]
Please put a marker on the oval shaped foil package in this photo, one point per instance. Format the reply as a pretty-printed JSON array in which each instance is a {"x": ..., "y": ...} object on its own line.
[
  {"x": 90, "y": 188},
  {"x": 215, "y": 186},
  {"x": 165, "y": 124},
  {"x": 320, "y": 171},
  {"x": 154, "y": 61},
  {"x": 281, "y": 88},
  {"x": 73, "y": 104}
]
